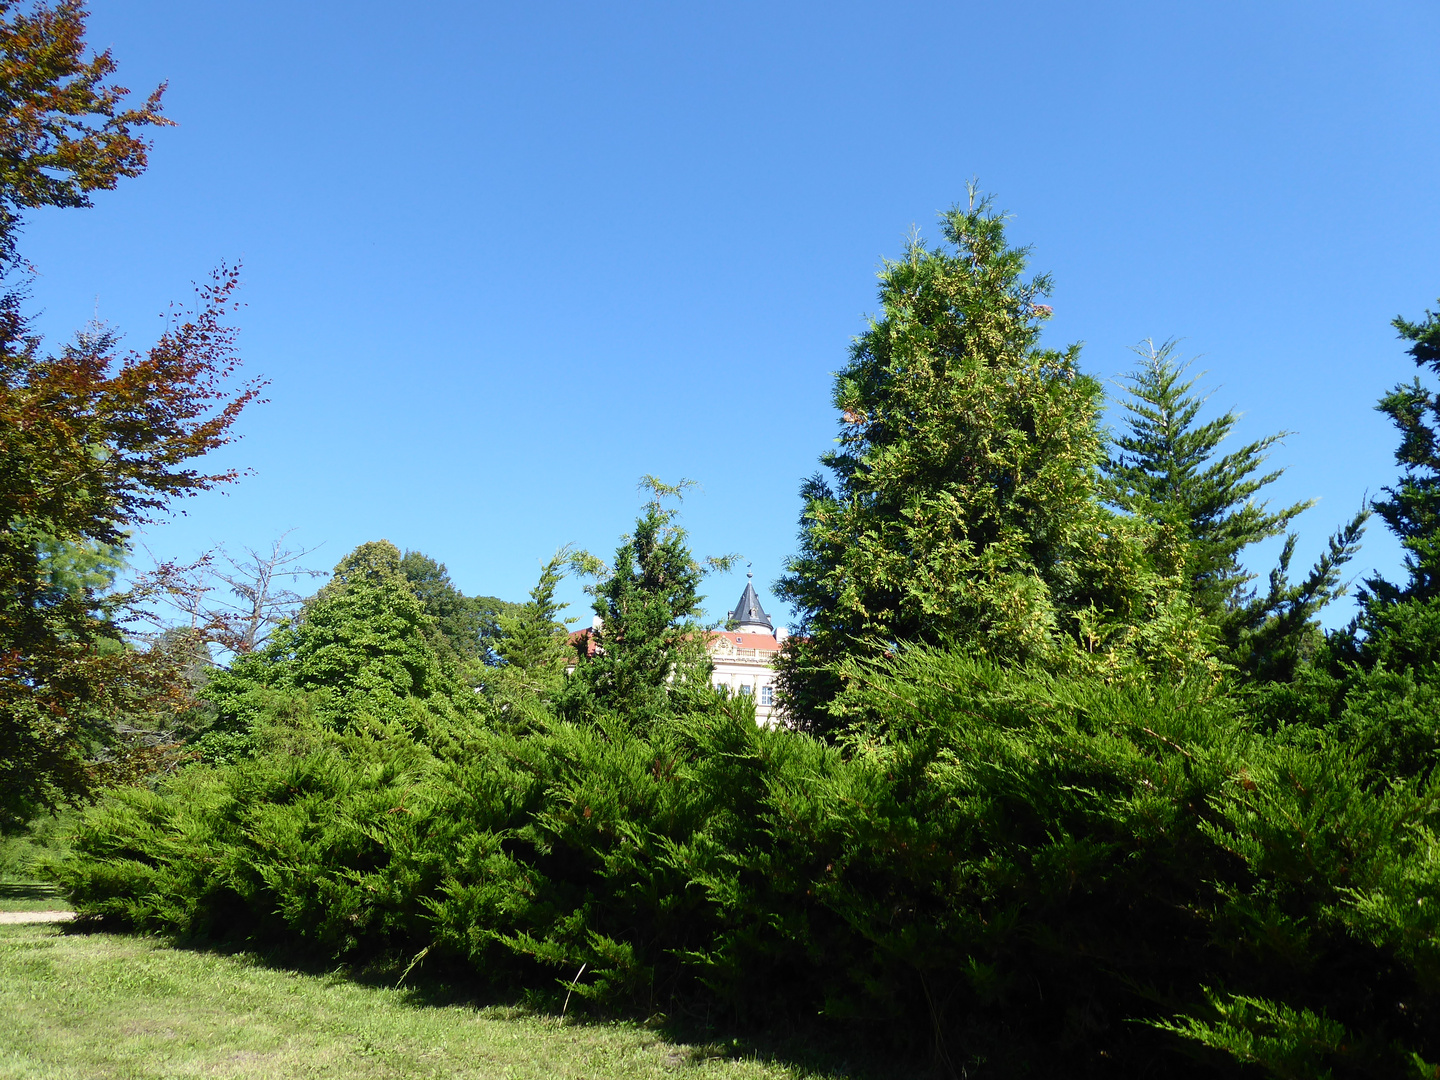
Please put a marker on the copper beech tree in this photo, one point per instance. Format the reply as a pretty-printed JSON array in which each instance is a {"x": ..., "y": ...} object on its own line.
[
  {"x": 93, "y": 441},
  {"x": 66, "y": 130}
]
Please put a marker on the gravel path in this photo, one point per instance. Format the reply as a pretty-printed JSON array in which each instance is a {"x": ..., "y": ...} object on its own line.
[{"x": 35, "y": 916}]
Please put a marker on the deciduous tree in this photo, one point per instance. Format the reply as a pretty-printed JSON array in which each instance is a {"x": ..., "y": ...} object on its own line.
[
  {"x": 93, "y": 441},
  {"x": 67, "y": 129}
]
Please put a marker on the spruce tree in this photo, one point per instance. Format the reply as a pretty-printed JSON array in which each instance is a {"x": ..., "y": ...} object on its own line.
[
  {"x": 1165, "y": 466},
  {"x": 961, "y": 506}
]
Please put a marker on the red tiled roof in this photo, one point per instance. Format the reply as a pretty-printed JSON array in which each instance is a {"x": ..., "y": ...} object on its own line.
[
  {"x": 587, "y": 636},
  {"x": 748, "y": 641}
]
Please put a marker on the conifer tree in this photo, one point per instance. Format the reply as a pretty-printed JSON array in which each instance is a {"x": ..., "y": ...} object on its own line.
[
  {"x": 1164, "y": 467},
  {"x": 533, "y": 650},
  {"x": 646, "y": 660},
  {"x": 961, "y": 505},
  {"x": 1412, "y": 507},
  {"x": 1399, "y": 624}
]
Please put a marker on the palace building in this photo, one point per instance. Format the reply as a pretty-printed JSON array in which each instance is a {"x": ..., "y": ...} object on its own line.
[{"x": 744, "y": 657}]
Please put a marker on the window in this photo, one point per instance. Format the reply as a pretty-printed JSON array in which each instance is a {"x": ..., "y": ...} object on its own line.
[
  {"x": 767, "y": 695},
  {"x": 746, "y": 691}
]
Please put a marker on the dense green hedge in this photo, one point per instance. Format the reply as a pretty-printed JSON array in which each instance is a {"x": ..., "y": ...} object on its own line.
[{"x": 1014, "y": 875}]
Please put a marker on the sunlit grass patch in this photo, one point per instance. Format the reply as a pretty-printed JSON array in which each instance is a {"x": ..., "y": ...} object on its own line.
[{"x": 80, "y": 1006}]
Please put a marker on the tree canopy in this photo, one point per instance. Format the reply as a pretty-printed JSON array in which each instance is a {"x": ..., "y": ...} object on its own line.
[
  {"x": 93, "y": 441},
  {"x": 646, "y": 659},
  {"x": 962, "y": 505}
]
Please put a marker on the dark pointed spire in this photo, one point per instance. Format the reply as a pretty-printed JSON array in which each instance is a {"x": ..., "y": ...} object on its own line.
[{"x": 748, "y": 614}]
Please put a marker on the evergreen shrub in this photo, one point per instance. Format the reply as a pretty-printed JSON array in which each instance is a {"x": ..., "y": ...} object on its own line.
[{"x": 1011, "y": 873}]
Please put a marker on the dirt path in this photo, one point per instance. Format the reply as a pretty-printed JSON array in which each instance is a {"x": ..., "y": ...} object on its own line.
[{"x": 35, "y": 916}]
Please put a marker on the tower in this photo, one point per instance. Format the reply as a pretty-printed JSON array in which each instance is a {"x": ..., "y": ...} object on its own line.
[{"x": 749, "y": 617}]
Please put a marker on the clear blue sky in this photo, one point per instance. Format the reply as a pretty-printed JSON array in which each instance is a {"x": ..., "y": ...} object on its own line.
[{"x": 500, "y": 260}]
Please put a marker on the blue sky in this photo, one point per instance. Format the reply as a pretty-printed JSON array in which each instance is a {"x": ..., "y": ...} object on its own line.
[{"x": 501, "y": 260}]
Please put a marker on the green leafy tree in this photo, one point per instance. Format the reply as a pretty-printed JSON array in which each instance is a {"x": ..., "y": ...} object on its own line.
[
  {"x": 466, "y": 627},
  {"x": 961, "y": 505},
  {"x": 361, "y": 647},
  {"x": 647, "y": 660}
]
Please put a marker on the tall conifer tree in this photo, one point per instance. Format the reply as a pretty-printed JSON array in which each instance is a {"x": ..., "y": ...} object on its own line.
[
  {"x": 1412, "y": 507},
  {"x": 1166, "y": 466},
  {"x": 961, "y": 505},
  {"x": 1400, "y": 623}
]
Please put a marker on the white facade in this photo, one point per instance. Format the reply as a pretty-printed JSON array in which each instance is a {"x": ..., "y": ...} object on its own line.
[
  {"x": 744, "y": 657},
  {"x": 744, "y": 664}
]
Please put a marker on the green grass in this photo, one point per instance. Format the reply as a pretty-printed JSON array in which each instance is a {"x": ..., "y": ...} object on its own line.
[
  {"x": 31, "y": 896},
  {"x": 86, "y": 1006}
]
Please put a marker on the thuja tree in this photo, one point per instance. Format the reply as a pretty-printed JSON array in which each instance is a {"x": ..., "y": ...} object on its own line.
[
  {"x": 646, "y": 660},
  {"x": 1166, "y": 466},
  {"x": 961, "y": 506}
]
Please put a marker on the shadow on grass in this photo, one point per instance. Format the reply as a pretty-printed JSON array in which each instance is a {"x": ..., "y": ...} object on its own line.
[
  {"x": 30, "y": 890},
  {"x": 698, "y": 1032}
]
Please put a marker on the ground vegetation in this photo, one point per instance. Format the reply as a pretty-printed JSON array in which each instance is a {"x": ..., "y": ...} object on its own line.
[{"x": 1060, "y": 792}]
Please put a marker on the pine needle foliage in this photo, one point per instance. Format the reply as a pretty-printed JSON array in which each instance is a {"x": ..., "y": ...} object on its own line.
[{"x": 1165, "y": 466}]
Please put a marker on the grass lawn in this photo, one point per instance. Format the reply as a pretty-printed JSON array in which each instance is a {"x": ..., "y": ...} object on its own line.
[
  {"x": 31, "y": 897},
  {"x": 23, "y": 903},
  {"x": 86, "y": 1006}
]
